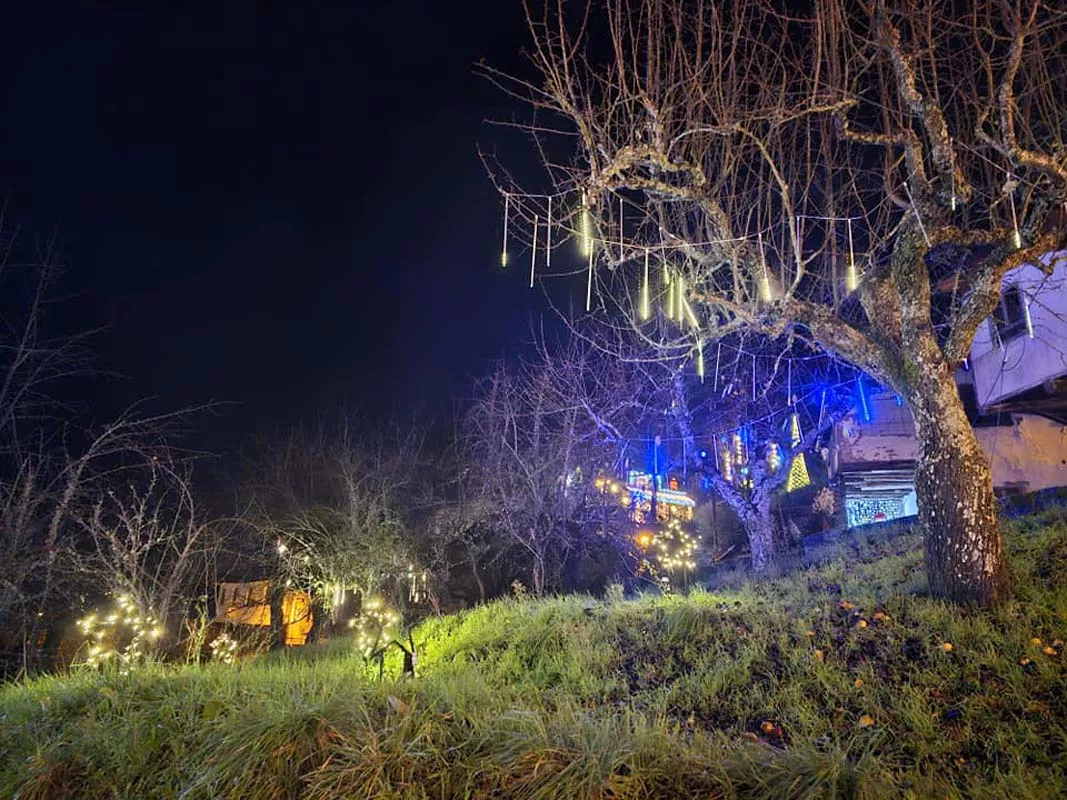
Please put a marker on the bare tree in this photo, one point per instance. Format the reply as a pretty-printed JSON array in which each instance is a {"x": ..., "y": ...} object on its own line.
[
  {"x": 816, "y": 171},
  {"x": 49, "y": 468},
  {"x": 539, "y": 435},
  {"x": 33, "y": 476},
  {"x": 461, "y": 530},
  {"x": 145, "y": 537},
  {"x": 336, "y": 510},
  {"x": 745, "y": 432}
]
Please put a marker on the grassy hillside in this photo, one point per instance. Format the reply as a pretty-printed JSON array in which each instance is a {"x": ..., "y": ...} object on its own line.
[{"x": 838, "y": 681}]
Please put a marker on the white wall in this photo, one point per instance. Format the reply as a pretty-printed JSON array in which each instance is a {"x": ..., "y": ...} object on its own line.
[
  {"x": 1031, "y": 454},
  {"x": 889, "y": 436},
  {"x": 1025, "y": 362}
]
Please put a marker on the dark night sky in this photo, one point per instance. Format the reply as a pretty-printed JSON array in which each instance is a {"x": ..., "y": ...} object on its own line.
[{"x": 279, "y": 205}]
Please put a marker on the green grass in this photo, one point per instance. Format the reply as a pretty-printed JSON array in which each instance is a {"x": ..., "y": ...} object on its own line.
[{"x": 747, "y": 693}]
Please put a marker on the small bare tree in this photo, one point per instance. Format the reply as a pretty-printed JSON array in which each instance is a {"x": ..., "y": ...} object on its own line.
[
  {"x": 460, "y": 531},
  {"x": 145, "y": 537},
  {"x": 815, "y": 170},
  {"x": 774, "y": 414},
  {"x": 336, "y": 511},
  {"x": 539, "y": 436}
]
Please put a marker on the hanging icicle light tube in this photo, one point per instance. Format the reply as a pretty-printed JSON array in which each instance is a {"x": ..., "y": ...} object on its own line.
[
  {"x": 533, "y": 252},
  {"x": 765, "y": 294},
  {"x": 548, "y": 234},
  {"x": 504, "y": 247},
  {"x": 851, "y": 277},
  {"x": 586, "y": 234},
  {"x": 645, "y": 309}
]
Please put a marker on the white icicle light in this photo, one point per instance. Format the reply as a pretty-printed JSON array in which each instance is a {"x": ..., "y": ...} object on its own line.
[
  {"x": 589, "y": 284},
  {"x": 764, "y": 278},
  {"x": 952, "y": 196},
  {"x": 1026, "y": 313},
  {"x": 851, "y": 278},
  {"x": 670, "y": 293},
  {"x": 533, "y": 252},
  {"x": 646, "y": 310},
  {"x": 1016, "y": 237},
  {"x": 548, "y": 235},
  {"x": 586, "y": 231},
  {"x": 504, "y": 246}
]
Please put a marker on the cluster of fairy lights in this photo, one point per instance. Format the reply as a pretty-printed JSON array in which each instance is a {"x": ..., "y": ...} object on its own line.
[
  {"x": 734, "y": 459},
  {"x": 224, "y": 649},
  {"x": 675, "y": 549},
  {"x": 669, "y": 553},
  {"x": 824, "y": 502},
  {"x": 378, "y": 625},
  {"x": 615, "y": 488},
  {"x": 106, "y": 631},
  {"x": 639, "y": 489}
]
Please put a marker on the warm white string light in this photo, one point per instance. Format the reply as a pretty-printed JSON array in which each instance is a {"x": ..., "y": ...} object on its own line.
[{"x": 586, "y": 226}]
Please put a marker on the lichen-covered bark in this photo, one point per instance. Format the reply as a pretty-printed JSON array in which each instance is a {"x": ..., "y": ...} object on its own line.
[
  {"x": 760, "y": 541},
  {"x": 759, "y": 526},
  {"x": 964, "y": 551}
]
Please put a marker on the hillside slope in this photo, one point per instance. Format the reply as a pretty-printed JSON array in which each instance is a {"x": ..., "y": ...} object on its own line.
[{"x": 838, "y": 681}]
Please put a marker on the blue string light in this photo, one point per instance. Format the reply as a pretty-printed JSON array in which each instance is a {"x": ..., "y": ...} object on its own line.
[{"x": 864, "y": 407}]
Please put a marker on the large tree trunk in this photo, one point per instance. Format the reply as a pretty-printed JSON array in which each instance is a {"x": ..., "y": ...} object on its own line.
[
  {"x": 964, "y": 551},
  {"x": 759, "y": 525}
]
